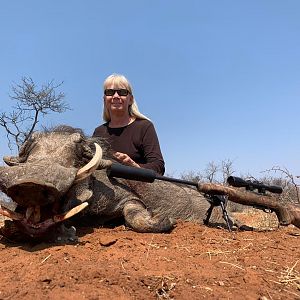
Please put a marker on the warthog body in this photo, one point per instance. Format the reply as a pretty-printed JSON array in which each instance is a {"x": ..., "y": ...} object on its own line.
[
  {"x": 146, "y": 207},
  {"x": 43, "y": 181}
]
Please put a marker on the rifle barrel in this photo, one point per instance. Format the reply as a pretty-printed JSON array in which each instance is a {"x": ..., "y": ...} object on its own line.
[{"x": 140, "y": 174}]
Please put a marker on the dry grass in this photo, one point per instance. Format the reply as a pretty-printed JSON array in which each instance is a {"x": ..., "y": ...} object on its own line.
[
  {"x": 257, "y": 218},
  {"x": 290, "y": 276}
]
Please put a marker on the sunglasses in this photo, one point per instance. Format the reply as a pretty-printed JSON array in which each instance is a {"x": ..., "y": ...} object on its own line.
[{"x": 111, "y": 92}]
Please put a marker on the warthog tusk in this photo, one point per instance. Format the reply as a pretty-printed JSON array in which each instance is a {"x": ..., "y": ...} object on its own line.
[
  {"x": 70, "y": 213},
  {"x": 89, "y": 168},
  {"x": 45, "y": 224},
  {"x": 38, "y": 229}
]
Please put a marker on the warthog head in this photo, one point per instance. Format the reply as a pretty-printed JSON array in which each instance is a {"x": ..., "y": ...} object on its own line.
[{"x": 39, "y": 178}]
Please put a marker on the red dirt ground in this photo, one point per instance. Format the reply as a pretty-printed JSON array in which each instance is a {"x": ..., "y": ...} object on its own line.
[{"x": 191, "y": 262}]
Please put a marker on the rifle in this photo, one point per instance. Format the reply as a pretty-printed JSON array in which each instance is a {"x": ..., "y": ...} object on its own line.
[{"x": 217, "y": 194}]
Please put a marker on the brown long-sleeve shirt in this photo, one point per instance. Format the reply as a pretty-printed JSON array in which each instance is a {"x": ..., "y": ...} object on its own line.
[{"x": 138, "y": 140}]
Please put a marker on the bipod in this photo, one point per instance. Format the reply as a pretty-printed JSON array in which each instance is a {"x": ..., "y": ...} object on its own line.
[{"x": 217, "y": 200}]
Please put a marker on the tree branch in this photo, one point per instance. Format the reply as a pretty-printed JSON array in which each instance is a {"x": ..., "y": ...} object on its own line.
[{"x": 30, "y": 102}]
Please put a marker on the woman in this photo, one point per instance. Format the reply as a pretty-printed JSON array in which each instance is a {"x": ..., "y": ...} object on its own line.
[{"x": 129, "y": 132}]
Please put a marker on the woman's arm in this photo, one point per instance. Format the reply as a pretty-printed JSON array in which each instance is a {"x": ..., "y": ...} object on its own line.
[{"x": 152, "y": 152}]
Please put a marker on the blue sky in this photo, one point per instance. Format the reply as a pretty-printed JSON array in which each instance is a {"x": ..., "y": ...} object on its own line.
[{"x": 219, "y": 79}]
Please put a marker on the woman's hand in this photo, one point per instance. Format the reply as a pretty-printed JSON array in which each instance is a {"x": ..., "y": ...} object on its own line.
[{"x": 125, "y": 159}]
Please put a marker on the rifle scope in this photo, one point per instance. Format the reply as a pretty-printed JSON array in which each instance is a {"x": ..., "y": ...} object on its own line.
[{"x": 252, "y": 185}]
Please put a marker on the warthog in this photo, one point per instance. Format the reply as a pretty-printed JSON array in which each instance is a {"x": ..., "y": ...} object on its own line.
[
  {"x": 51, "y": 181},
  {"x": 60, "y": 173}
]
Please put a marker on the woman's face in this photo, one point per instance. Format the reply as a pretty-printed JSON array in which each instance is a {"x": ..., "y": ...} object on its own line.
[{"x": 116, "y": 100}]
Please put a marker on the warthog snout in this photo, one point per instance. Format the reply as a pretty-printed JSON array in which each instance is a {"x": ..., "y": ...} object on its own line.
[
  {"x": 33, "y": 193},
  {"x": 36, "y": 184}
]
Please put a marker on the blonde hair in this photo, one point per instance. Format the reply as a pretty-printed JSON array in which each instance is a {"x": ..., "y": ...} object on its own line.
[{"x": 122, "y": 82}]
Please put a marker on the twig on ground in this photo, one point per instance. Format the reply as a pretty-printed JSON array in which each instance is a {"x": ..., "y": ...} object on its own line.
[
  {"x": 228, "y": 263},
  {"x": 45, "y": 259}
]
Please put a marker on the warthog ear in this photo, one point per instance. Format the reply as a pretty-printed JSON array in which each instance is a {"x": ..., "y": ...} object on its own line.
[
  {"x": 23, "y": 152},
  {"x": 11, "y": 160}
]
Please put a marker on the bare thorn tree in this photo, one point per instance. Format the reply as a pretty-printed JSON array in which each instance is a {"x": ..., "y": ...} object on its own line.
[
  {"x": 227, "y": 169},
  {"x": 289, "y": 178},
  {"x": 211, "y": 171},
  {"x": 192, "y": 176},
  {"x": 31, "y": 103}
]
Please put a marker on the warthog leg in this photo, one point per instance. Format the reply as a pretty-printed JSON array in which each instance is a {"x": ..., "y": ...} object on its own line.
[{"x": 140, "y": 219}]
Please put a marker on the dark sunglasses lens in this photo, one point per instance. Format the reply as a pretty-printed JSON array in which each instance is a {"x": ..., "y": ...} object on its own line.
[
  {"x": 122, "y": 92},
  {"x": 109, "y": 92}
]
